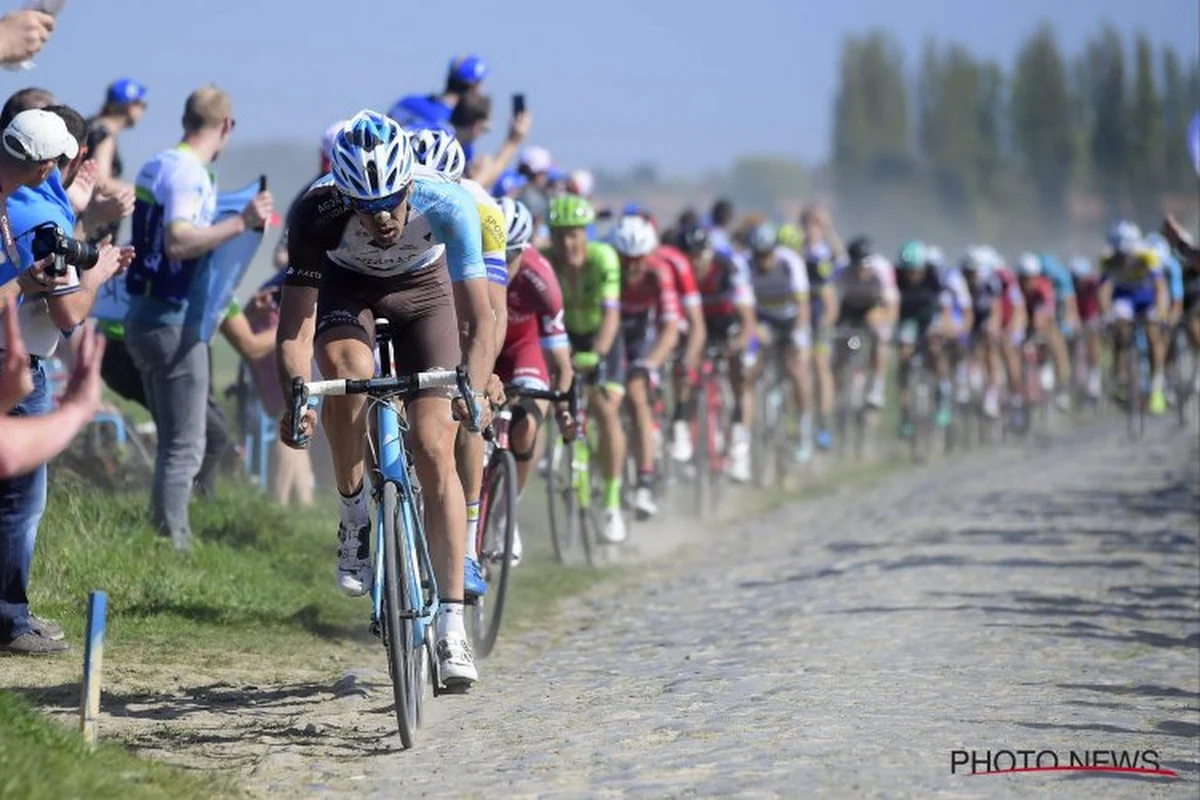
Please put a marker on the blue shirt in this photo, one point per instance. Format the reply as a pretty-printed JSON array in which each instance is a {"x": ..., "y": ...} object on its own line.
[
  {"x": 1060, "y": 277},
  {"x": 420, "y": 111},
  {"x": 29, "y": 207}
]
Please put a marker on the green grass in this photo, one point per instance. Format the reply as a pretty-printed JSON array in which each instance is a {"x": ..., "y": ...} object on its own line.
[{"x": 43, "y": 760}]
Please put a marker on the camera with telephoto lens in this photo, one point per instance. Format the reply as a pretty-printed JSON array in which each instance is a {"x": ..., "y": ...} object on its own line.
[{"x": 49, "y": 240}]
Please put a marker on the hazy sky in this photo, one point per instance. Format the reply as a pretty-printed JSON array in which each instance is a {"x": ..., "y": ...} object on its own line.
[{"x": 686, "y": 84}]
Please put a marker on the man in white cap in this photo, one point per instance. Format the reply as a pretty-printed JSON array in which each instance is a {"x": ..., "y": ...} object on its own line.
[{"x": 34, "y": 146}]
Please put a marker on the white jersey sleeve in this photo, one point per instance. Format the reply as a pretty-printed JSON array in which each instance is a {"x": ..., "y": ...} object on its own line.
[{"x": 797, "y": 272}]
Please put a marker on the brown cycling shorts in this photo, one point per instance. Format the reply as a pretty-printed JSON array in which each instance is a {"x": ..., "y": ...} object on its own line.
[{"x": 419, "y": 305}]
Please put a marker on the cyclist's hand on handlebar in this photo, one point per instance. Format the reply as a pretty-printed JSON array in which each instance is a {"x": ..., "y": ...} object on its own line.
[
  {"x": 308, "y": 426},
  {"x": 460, "y": 411},
  {"x": 566, "y": 424},
  {"x": 495, "y": 390}
]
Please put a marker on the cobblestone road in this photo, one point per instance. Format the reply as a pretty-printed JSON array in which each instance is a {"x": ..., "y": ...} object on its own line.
[{"x": 1038, "y": 599}]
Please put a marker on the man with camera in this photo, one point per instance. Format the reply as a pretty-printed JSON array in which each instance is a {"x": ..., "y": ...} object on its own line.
[
  {"x": 174, "y": 231},
  {"x": 38, "y": 157}
]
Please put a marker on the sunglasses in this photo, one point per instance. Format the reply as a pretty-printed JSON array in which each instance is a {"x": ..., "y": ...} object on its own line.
[{"x": 389, "y": 203}]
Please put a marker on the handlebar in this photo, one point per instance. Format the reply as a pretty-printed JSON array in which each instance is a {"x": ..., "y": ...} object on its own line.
[
  {"x": 572, "y": 395},
  {"x": 387, "y": 385}
]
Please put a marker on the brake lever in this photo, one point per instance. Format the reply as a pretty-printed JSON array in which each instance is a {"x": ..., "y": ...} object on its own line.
[
  {"x": 468, "y": 395},
  {"x": 299, "y": 404}
]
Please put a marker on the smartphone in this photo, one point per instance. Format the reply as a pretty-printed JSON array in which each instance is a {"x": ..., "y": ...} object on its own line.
[
  {"x": 51, "y": 7},
  {"x": 518, "y": 104},
  {"x": 262, "y": 183}
]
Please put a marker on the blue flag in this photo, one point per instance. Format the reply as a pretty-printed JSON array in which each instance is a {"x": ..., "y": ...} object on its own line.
[{"x": 1193, "y": 138}]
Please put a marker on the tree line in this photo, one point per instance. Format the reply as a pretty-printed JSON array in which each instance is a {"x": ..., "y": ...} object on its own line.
[{"x": 1058, "y": 142}]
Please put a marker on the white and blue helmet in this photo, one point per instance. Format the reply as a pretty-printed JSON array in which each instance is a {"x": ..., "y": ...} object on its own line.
[
  {"x": 1029, "y": 265},
  {"x": 440, "y": 151},
  {"x": 371, "y": 157},
  {"x": 1124, "y": 237},
  {"x": 518, "y": 221}
]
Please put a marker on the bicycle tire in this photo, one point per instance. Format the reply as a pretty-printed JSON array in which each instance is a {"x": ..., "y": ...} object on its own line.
[
  {"x": 1136, "y": 418},
  {"x": 700, "y": 457},
  {"x": 398, "y": 628},
  {"x": 495, "y": 551},
  {"x": 561, "y": 500},
  {"x": 921, "y": 413}
]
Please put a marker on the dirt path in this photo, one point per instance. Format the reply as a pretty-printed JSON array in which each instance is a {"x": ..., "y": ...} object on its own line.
[{"x": 1038, "y": 599}]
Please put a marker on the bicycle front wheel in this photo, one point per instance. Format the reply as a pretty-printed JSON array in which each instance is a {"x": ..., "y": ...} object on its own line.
[
  {"x": 400, "y": 586},
  {"x": 497, "y": 525}
]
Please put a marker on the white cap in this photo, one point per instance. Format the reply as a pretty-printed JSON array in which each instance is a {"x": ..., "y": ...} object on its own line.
[
  {"x": 39, "y": 135},
  {"x": 330, "y": 135},
  {"x": 536, "y": 159},
  {"x": 582, "y": 182}
]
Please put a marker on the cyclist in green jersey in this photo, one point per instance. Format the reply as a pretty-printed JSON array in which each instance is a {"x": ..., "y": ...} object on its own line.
[{"x": 590, "y": 276}]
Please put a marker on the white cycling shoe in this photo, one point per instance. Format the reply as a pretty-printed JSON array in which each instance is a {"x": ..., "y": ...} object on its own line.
[
  {"x": 875, "y": 397},
  {"x": 681, "y": 442},
  {"x": 613, "y": 531},
  {"x": 456, "y": 663},
  {"x": 738, "y": 468},
  {"x": 644, "y": 503},
  {"x": 354, "y": 560}
]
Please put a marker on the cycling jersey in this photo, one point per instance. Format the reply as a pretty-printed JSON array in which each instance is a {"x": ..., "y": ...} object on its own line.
[
  {"x": 1059, "y": 276},
  {"x": 442, "y": 222},
  {"x": 858, "y": 294},
  {"x": 535, "y": 321},
  {"x": 591, "y": 291},
  {"x": 685, "y": 278},
  {"x": 887, "y": 276},
  {"x": 1038, "y": 293},
  {"x": 818, "y": 263},
  {"x": 1087, "y": 297},
  {"x": 922, "y": 300},
  {"x": 174, "y": 186},
  {"x": 1174, "y": 275},
  {"x": 651, "y": 298},
  {"x": 778, "y": 285},
  {"x": 494, "y": 233},
  {"x": 725, "y": 286},
  {"x": 956, "y": 289},
  {"x": 1137, "y": 271}
]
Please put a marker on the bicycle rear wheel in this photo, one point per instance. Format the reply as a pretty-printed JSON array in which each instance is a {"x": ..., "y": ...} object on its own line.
[
  {"x": 497, "y": 524},
  {"x": 562, "y": 501},
  {"x": 400, "y": 585},
  {"x": 701, "y": 438}
]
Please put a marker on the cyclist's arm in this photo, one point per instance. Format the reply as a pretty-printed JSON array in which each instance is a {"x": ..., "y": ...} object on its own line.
[
  {"x": 748, "y": 324},
  {"x": 697, "y": 334},
  {"x": 298, "y": 297},
  {"x": 668, "y": 317},
  {"x": 474, "y": 311},
  {"x": 610, "y": 297},
  {"x": 1104, "y": 295}
]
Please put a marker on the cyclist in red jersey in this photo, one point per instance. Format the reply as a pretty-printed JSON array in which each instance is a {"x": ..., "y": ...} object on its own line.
[
  {"x": 650, "y": 327},
  {"x": 727, "y": 302},
  {"x": 535, "y": 329},
  {"x": 690, "y": 349},
  {"x": 1087, "y": 300}
]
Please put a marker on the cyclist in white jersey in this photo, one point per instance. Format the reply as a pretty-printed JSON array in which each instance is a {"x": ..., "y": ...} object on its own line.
[{"x": 376, "y": 238}]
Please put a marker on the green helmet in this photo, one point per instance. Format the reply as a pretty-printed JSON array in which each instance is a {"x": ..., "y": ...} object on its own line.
[
  {"x": 571, "y": 211},
  {"x": 913, "y": 255}
]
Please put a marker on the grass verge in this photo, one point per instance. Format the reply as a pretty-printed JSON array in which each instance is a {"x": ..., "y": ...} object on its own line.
[{"x": 42, "y": 760}]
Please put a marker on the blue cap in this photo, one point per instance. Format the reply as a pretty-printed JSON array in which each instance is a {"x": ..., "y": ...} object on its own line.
[
  {"x": 126, "y": 90},
  {"x": 555, "y": 174},
  {"x": 632, "y": 210},
  {"x": 509, "y": 181},
  {"x": 469, "y": 69}
]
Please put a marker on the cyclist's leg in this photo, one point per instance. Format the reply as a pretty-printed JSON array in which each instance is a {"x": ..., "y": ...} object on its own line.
[
  {"x": 797, "y": 359},
  {"x": 604, "y": 406},
  {"x": 684, "y": 407},
  {"x": 523, "y": 436}
]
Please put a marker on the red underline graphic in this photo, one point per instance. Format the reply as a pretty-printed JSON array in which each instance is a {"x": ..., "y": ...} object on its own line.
[{"x": 1166, "y": 773}]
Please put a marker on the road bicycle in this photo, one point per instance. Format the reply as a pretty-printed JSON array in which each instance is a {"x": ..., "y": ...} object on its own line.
[
  {"x": 404, "y": 596},
  {"x": 851, "y": 377},
  {"x": 575, "y": 496},
  {"x": 708, "y": 428}
]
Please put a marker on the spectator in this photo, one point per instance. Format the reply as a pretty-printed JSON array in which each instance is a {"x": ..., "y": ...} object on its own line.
[
  {"x": 36, "y": 145},
  {"x": 26, "y": 444},
  {"x": 23, "y": 34},
  {"x": 173, "y": 229},
  {"x": 472, "y": 118},
  {"x": 581, "y": 182},
  {"x": 509, "y": 184},
  {"x": 418, "y": 112},
  {"x": 124, "y": 105}
]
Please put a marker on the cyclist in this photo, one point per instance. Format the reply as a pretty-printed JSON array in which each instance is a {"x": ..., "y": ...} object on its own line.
[
  {"x": 382, "y": 237},
  {"x": 1134, "y": 288},
  {"x": 589, "y": 275},
  {"x": 960, "y": 323},
  {"x": 1038, "y": 294},
  {"x": 727, "y": 302},
  {"x": 819, "y": 260},
  {"x": 1086, "y": 285},
  {"x": 1173, "y": 274},
  {"x": 535, "y": 328},
  {"x": 925, "y": 315},
  {"x": 862, "y": 301},
  {"x": 998, "y": 322},
  {"x": 441, "y": 152},
  {"x": 691, "y": 344},
  {"x": 650, "y": 327},
  {"x": 780, "y": 283},
  {"x": 1066, "y": 312}
]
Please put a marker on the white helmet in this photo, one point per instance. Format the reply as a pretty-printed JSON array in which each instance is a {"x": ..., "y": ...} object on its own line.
[
  {"x": 634, "y": 236},
  {"x": 934, "y": 256},
  {"x": 1029, "y": 265},
  {"x": 581, "y": 182},
  {"x": 371, "y": 157},
  {"x": 518, "y": 221},
  {"x": 439, "y": 150}
]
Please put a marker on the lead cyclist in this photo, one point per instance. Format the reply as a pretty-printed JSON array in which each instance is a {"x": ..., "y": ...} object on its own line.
[
  {"x": 382, "y": 237},
  {"x": 440, "y": 151}
]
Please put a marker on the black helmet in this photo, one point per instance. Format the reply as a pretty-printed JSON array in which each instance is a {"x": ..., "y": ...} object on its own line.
[
  {"x": 860, "y": 248},
  {"x": 694, "y": 238}
]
